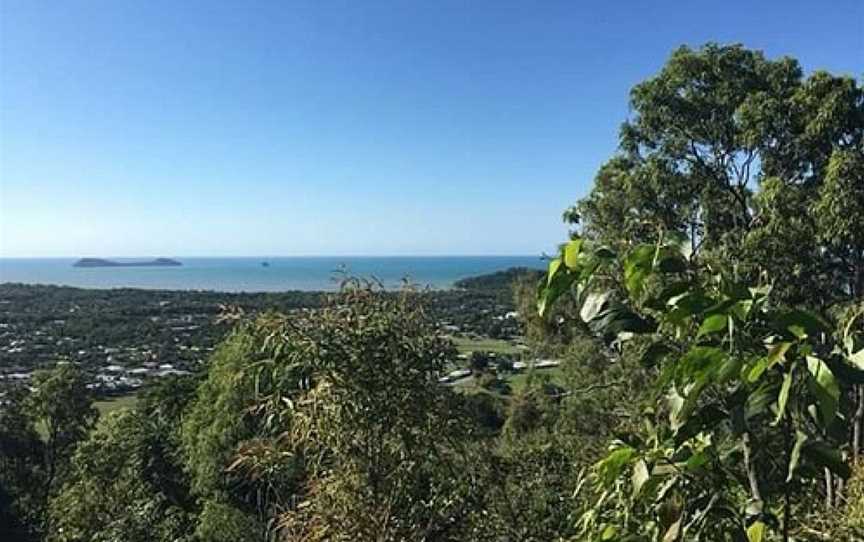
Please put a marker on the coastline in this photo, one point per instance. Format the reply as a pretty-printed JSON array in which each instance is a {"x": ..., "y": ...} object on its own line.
[{"x": 235, "y": 275}]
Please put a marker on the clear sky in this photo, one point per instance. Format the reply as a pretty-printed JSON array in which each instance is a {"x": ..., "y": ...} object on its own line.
[{"x": 183, "y": 127}]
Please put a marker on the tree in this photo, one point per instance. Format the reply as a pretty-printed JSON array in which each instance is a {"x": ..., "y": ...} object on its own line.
[
  {"x": 216, "y": 422},
  {"x": 784, "y": 247},
  {"x": 731, "y": 149},
  {"x": 111, "y": 493},
  {"x": 839, "y": 210},
  {"x": 754, "y": 171},
  {"x": 693, "y": 148},
  {"x": 632, "y": 198},
  {"x": 126, "y": 480},
  {"x": 63, "y": 406},
  {"x": 745, "y": 385},
  {"x": 479, "y": 361},
  {"x": 21, "y": 453},
  {"x": 333, "y": 424}
]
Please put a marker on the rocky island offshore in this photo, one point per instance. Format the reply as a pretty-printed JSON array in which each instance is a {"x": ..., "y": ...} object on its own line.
[{"x": 99, "y": 262}]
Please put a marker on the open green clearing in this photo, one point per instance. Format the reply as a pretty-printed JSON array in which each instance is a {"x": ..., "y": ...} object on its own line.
[
  {"x": 466, "y": 345},
  {"x": 104, "y": 406},
  {"x": 518, "y": 380}
]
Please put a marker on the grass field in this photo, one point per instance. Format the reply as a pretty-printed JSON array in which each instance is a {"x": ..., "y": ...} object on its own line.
[
  {"x": 115, "y": 403},
  {"x": 517, "y": 381},
  {"x": 499, "y": 346},
  {"x": 104, "y": 407},
  {"x": 554, "y": 374}
]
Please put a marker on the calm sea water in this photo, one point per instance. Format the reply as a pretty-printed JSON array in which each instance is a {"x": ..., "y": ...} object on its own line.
[{"x": 248, "y": 275}]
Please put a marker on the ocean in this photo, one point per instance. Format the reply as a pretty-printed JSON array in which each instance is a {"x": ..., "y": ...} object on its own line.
[{"x": 249, "y": 275}]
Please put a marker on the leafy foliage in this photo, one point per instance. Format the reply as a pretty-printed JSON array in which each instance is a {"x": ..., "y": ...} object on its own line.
[
  {"x": 742, "y": 380},
  {"x": 334, "y": 423}
]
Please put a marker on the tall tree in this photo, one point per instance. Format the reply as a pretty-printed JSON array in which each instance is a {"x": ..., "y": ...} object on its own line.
[
  {"x": 21, "y": 454},
  {"x": 731, "y": 149},
  {"x": 63, "y": 406},
  {"x": 839, "y": 211},
  {"x": 698, "y": 133}
]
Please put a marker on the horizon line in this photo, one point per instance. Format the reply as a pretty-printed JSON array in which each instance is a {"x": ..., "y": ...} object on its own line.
[{"x": 539, "y": 255}]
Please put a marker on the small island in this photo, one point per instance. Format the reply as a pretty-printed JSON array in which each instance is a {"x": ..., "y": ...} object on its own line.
[{"x": 99, "y": 262}]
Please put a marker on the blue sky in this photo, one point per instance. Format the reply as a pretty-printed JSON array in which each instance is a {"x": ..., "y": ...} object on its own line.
[{"x": 324, "y": 127}]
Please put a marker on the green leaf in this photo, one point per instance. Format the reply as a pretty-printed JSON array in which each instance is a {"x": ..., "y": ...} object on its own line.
[
  {"x": 783, "y": 396},
  {"x": 760, "y": 292},
  {"x": 548, "y": 294},
  {"x": 696, "y": 461},
  {"x": 610, "y": 467},
  {"x": 795, "y": 456},
  {"x": 701, "y": 361},
  {"x": 848, "y": 334},
  {"x": 756, "y": 531},
  {"x": 735, "y": 291},
  {"x": 741, "y": 309},
  {"x": 690, "y": 403},
  {"x": 759, "y": 400},
  {"x": 572, "y": 251},
  {"x": 637, "y": 267},
  {"x": 712, "y": 324},
  {"x": 687, "y": 305},
  {"x": 554, "y": 266},
  {"x": 825, "y": 387},
  {"x": 754, "y": 508},
  {"x": 730, "y": 370},
  {"x": 776, "y": 354}
]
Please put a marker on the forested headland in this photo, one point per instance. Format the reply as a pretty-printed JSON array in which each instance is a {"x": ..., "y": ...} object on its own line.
[{"x": 708, "y": 317}]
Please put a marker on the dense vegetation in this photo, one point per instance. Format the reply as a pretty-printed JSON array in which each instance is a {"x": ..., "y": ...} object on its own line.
[{"x": 707, "y": 309}]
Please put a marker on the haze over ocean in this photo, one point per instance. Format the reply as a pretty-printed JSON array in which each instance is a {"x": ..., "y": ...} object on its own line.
[{"x": 249, "y": 275}]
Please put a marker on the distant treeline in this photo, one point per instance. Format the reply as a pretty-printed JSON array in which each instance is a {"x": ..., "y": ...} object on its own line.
[{"x": 500, "y": 280}]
